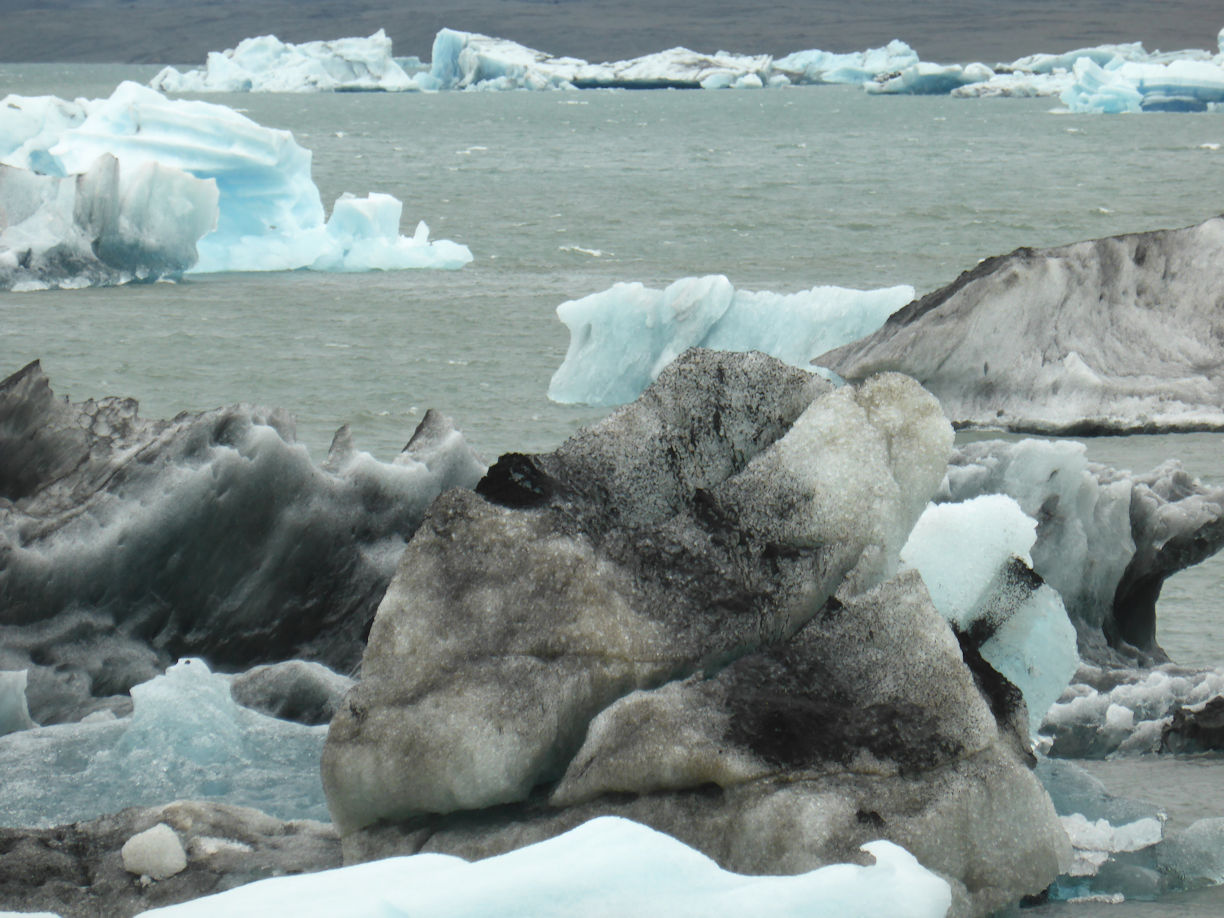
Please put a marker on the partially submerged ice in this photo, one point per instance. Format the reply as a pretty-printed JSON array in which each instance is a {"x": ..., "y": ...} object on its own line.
[
  {"x": 267, "y": 64},
  {"x": 185, "y": 738},
  {"x": 126, "y": 543},
  {"x": 105, "y": 225},
  {"x": 623, "y": 337},
  {"x": 607, "y": 866},
  {"x": 268, "y": 213},
  {"x": 1106, "y": 539},
  {"x": 1042, "y": 340},
  {"x": 667, "y": 620}
]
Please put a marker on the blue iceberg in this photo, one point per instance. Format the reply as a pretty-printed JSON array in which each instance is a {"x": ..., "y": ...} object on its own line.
[
  {"x": 623, "y": 337},
  {"x": 270, "y": 216}
]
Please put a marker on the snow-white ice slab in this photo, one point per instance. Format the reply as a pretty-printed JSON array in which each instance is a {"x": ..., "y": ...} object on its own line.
[
  {"x": 267, "y": 64},
  {"x": 270, "y": 218},
  {"x": 185, "y": 739},
  {"x": 965, "y": 553},
  {"x": 606, "y": 867},
  {"x": 623, "y": 337}
]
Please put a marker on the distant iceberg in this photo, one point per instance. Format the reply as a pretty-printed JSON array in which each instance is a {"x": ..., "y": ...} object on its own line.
[
  {"x": 269, "y": 214},
  {"x": 267, "y": 64},
  {"x": 622, "y": 338}
]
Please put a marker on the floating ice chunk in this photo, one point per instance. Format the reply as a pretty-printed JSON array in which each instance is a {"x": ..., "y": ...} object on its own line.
[
  {"x": 186, "y": 738},
  {"x": 106, "y": 225},
  {"x": 608, "y": 866},
  {"x": 1017, "y": 86},
  {"x": 1126, "y": 711},
  {"x": 925, "y": 78},
  {"x": 269, "y": 213},
  {"x": 621, "y": 338},
  {"x": 267, "y": 64},
  {"x": 1180, "y": 85},
  {"x": 967, "y": 554},
  {"x": 468, "y": 60},
  {"x": 858, "y": 67},
  {"x": 14, "y": 712}
]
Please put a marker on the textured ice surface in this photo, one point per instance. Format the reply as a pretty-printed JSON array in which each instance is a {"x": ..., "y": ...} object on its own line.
[
  {"x": 128, "y": 542},
  {"x": 1043, "y": 340},
  {"x": 14, "y": 712},
  {"x": 605, "y": 867},
  {"x": 1107, "y": 539},
  {"x": 267, "y": 64},
  {"x": 1181, "y": 85},
  {"x": 815, "y": 66},
  {"x": 186, "y": 738},
  {"x": 270, "y": 215},
  {"x": 1125, "y": 711},
  {"x": 967, "y": 556},
  {"x": 108, "y": 224},
  {"x": 622, "y": 338}
]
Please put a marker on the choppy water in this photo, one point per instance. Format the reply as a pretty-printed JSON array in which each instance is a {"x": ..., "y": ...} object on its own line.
[{"x": 779, "y": 190}]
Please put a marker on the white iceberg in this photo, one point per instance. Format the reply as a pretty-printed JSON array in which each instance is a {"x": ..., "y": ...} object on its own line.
[
  {"x": 606, "y": 867},
  {"x": 270, "y": 216},
  {"x": 622, "y": 338},
  {"x": 267, "y": 64},
  {"x": 857, "y": 67},
  {"x": 966, "y": 554},
  {"x": 106, "y": 225},
  {"x": 468, "y": 60}
]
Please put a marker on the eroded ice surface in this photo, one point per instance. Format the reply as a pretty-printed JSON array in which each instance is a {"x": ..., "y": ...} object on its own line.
[
  {"x": 270, "y": 216},
  {"x": 605, "y": 867},
  {"x": 967, "y": 554},
  {"x": 267, "y": 64},
  {"x": 106, "y": 225},
  {"x": 186, "y": 738},
  {"x": 623, "y": 337}
]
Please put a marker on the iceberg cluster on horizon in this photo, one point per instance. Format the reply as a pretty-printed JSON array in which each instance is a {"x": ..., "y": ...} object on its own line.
[
  {"x": 186, "y": 171},
  {"x": 623, "y": 337},
  {"x": 1103, "y": 78}
]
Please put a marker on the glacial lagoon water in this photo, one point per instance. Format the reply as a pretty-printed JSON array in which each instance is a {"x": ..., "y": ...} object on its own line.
[{"x": 559, "y": 195}]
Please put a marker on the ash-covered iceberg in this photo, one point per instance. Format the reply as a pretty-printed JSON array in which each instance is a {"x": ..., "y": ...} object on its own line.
[
  {"x": 269, "y": 213},
  {"x": 690, "y": 615},
  {"x": 607, "y": 866},
  {"x": 186, "y": 738},
  {"x": 127, "y": 543},
  {"x": 106, "y": 225},
  {"x": 267, "y": 64},
  {"x": 623, "y": 337},
  {"x": 1043, "y": 340}
]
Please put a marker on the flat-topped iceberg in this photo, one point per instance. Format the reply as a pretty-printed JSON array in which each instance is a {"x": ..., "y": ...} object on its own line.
[
  {"x": 269, "y": 214},
  {"x": 468, "y": 60},
  {"x": 622, "y": 338},
  {"x": 267, "y": 64}
]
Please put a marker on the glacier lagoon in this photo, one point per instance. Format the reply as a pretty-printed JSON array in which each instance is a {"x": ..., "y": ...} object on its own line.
[{"x": 559, "y": 198}]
